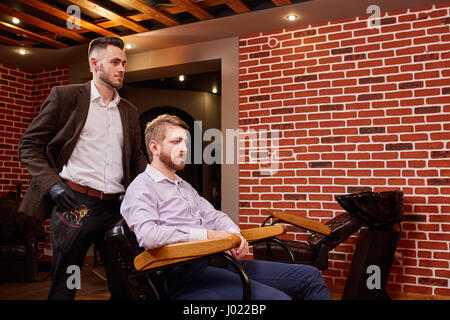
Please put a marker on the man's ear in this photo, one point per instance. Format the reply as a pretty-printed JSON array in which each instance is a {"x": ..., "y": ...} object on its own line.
[
  {"x": 153, "y": 146},
  {"x": 93, "y": 63}
]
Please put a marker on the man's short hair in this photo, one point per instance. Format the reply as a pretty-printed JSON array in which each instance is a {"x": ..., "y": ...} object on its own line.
[
  {"x": 156, "y": 129},
  {"x": 103, "y": 42}
]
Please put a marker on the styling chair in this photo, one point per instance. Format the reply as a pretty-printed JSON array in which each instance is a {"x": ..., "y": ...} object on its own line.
[
  {"x": 314, "y": 251},
  {"x": 382, "y": 213},
  {"x": 374, "y": 214},
  {"x": 140, "y": 268},
  {"x": 19, "y": 237}
]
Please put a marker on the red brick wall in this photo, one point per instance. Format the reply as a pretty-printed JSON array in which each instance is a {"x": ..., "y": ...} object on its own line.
[
  {"x": 21, "y": 95},
  {"x": 358, "y": 109}
]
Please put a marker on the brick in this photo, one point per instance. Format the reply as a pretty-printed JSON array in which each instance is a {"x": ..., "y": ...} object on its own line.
[
  {"x": 385, "y": 70},
  {"x": 321, "y": 38},
  {"x": 331, "y": 107},
  {"x": 371, "y": 80},
  {"x": 425, "y": 110},
  {"x": 342, "y": 50},
  {"x": 340, "y": 35},
  {"x": 355, "y": 25},
  {"x": 311, "y": 77},
  {"x": 305, "y": 33},
  {"x": 344, "y": 66},
  {"x": 368, "y": 97},
  {"x": 261, "y": 54},
  {"x": 333, "y": 140},
  {"x": 440, "y": 154},
  {"x": 438, "y": 182},
  {"x": 399, "y": 146},
  {"x": 426, "y": 57},
  {"x": 259, "y": 98},
  {"x": 352, "y": 57}
]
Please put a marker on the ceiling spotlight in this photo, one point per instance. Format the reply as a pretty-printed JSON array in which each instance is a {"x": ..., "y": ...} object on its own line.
[
  {"x": 214, "y": 90},
  {"x": 22, "y": 51},
  {"x": 15, "y": 20},
  {"x": 128, "y": 46},
  {"x": 181, "y": 78},
  {"x": 292, "y": 17}
]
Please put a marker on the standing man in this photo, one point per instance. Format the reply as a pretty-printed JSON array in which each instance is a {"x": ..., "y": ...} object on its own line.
[
  {"x": 161, "y": 208},
  {"x": 83, "y": 148}
]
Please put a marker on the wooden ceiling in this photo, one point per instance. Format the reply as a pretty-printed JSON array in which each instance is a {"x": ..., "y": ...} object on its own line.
[{"x": 53, "y": 23}]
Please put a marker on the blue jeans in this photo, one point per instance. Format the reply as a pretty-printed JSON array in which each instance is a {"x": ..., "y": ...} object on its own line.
[{"x": 268, "y": 281}]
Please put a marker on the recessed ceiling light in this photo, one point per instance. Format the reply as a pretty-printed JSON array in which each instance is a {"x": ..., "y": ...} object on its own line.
[
  {"x": 128, "y": 46},
  {"x": 181, "y": 78},
  {"x": 22, "y": 51},
  {"x": 292, "y": 17},
  {"x": 15, "y": 20}
]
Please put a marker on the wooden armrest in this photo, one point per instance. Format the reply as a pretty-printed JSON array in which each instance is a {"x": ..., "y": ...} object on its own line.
[
  {"x": 177, "y": 252},
  {"x": 301, "y": 222},
  {"x": 254, "y": 234}
]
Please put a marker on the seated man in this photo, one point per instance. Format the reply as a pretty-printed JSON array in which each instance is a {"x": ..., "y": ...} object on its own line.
[{"x": 161, "y": 208}]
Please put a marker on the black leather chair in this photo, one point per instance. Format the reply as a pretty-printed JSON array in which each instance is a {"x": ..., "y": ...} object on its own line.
[
  {"x": 382, "y": 213},
  {"x": 19, "y": 237},
  {"x": 377, "y": 215},
  {"x": 314, "y": 251},
  {"x": 146, "y": 284}
]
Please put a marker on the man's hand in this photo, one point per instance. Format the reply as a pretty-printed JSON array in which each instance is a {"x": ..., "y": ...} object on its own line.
[
  {"x": 63, "y": 197},
  {"x": 238, "y": 252}
]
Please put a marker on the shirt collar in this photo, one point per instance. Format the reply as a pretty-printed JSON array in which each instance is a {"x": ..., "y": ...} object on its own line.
[
  {"x": 95, "y": 96},
  {"x": 157, "y": 176}
]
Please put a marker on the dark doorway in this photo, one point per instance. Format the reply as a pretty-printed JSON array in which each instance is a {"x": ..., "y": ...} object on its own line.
[{"x": 192, "y": 173}]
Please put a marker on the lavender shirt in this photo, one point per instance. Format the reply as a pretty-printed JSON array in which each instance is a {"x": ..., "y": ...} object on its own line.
[{"x": 161, "y": 212}]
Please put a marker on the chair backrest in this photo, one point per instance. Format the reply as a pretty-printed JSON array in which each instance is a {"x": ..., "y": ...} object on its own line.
[
  {"x": 123, "y": 247},
  {"x": 376, "y": 209}
]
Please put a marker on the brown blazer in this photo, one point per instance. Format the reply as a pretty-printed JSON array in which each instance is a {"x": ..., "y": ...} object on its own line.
[{"x": 47, "y": 144}]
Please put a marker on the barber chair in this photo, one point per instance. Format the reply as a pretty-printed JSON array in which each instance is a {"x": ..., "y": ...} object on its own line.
[
  {"x": 382, "y": 213},
  {"x": 314, "y": 251},
  {"x": 377, "y": 213},
  {"x": 19, "y": 237},
  {"x": 140, "y": 268}
]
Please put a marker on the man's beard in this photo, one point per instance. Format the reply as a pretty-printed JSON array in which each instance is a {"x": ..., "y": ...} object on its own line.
[
  {"x": 107, "y": 81},
  {"x": 167, "y": 160}
]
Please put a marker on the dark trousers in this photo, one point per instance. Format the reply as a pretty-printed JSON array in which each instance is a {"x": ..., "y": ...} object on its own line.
[
  {"x": 268, "y": 281},
  {"x": 102, "y": 214}
]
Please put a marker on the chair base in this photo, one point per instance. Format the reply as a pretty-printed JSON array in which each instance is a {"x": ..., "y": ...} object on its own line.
[{"x": 371, "y": 265}]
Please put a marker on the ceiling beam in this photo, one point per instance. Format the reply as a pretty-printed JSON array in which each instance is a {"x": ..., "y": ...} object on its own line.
[
  {"x": 102, "y": 11},
  {"x": 193, "y": 9},
  {"x": 13, "y": 42},
  {"x": 237, "y": 6},
  {"x": 31, "y": 35},
  {"x": 167, "y": 9},
  {"x": 154, "y": 13},
  {"x": 279, "y": 3},
  {"x": 42, "y": 24},
  {"x": 65, "y": 16}
]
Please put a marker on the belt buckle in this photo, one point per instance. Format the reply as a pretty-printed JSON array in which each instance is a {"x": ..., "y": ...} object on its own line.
[{"x": 101, "y": 195}]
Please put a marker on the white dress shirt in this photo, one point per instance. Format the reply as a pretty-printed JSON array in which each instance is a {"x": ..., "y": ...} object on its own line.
[{"x": 96, "y": 161}]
